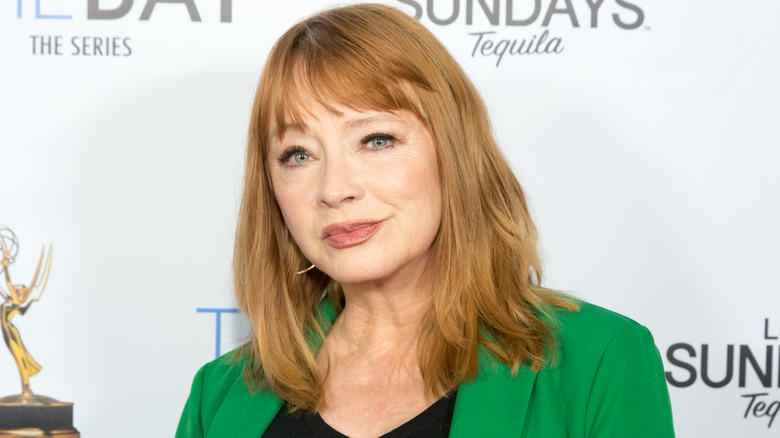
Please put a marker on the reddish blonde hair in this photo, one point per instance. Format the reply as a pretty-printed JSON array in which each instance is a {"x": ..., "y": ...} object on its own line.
[{"x": 487, "y": 268}]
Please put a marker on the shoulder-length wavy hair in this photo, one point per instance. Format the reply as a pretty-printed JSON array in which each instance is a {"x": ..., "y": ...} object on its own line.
[{"x": 487, "y": 268}]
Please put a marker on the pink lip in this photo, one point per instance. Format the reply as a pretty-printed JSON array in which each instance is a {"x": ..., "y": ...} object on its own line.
[{"x": 347, "y": 234}]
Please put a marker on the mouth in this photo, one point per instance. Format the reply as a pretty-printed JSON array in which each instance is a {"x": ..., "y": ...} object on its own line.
[{"x": 348, "y": 234}]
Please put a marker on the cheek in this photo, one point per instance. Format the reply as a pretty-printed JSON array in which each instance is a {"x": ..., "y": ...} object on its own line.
[
  {"x": 414, "y": 184},
  {"x": 291, "y": 204},
  {"x": 407, "y": 176},
  {"x": 295, "y": 217},
  {"x": 292, "y": 187},
  {"x": 286, "y": 207},
  {"x": 283, "y": 198},
  {"x": 422, "y": 180}
]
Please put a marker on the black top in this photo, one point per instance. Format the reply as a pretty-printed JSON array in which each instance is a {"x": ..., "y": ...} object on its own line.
[{"x": 433, "y": 422}]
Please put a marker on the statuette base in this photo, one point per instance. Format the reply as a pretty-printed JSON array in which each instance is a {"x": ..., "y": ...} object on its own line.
[{"x": 30, "y": 415}]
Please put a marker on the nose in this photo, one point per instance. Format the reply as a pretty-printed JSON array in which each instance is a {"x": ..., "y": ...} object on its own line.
[{"x": 339, "y": 184}]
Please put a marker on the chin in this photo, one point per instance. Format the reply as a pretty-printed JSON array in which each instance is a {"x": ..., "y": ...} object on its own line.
[{"x": 358, "y": 274}]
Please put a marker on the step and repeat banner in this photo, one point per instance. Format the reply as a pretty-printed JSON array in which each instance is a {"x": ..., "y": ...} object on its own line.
[{"x": 645, "y": 131}]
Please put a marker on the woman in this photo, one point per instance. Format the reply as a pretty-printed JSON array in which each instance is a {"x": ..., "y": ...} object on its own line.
[{"x": 372, "y": 174}]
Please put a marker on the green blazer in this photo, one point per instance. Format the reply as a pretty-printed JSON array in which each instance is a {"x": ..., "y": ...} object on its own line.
[{"x": 608, "y": 381}]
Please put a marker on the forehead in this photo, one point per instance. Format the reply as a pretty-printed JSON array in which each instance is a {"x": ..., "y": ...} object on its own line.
[{"x": 312, "y": 92}]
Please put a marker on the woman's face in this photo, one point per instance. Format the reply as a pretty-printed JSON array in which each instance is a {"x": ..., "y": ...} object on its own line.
[{"x": 359, "y": 192}]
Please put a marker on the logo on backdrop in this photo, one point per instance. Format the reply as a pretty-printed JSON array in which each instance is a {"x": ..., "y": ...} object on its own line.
[
  {"x": 101, "y": 10},
  {"x": 690, "y": 365},
  {"x": 526, "y": 27}
]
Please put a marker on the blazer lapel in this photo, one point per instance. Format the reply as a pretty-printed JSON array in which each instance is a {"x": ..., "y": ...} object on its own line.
[
  {"x": 495, "y": 403},
  {"x": 245, "y": 415}
]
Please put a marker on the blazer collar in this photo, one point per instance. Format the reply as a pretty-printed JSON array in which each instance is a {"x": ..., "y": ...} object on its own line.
[
  {"x": 494, "y": 404},
  {"x": 245, "y": 415}
]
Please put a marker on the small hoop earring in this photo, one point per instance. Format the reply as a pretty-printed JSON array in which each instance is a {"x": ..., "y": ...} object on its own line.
[{"x": 305, "y": 270}]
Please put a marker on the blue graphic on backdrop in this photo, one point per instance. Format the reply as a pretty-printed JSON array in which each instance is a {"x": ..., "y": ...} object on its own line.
[
  {"x": 218, "y": 312},
  {"x": 38, "y": 13}
]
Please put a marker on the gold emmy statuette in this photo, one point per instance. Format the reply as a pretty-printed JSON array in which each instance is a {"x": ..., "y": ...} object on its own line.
[{"x": 27, "y": 414}]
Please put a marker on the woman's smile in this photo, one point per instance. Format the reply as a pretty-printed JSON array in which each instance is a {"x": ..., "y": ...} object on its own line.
[{"x": 347, "y": 234}]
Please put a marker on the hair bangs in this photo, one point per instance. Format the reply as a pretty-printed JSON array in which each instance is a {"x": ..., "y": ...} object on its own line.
[{"x": 331, "y": 68}]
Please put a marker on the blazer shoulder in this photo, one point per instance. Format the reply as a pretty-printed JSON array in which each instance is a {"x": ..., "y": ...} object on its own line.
[
  {"x": 606, "y": 378},
  {"x": 226, "y": 367},
  {"x": 583, "y": 337},
  {"x": 591, "y": 325},
  {"x": 219, "y": 375}
]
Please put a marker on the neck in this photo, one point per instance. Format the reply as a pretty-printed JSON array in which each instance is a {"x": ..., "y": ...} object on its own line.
[{"x": 383, "y": 315}]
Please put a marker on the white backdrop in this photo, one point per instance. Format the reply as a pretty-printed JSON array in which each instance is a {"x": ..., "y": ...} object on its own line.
[{"x": 649, "y": 154}]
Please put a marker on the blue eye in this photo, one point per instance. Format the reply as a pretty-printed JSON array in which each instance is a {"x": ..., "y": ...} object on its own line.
[
  {"x": 379, "y": 141},
  {"x": 298, "y": 154},
  {"x": 301, "y": 158}
]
